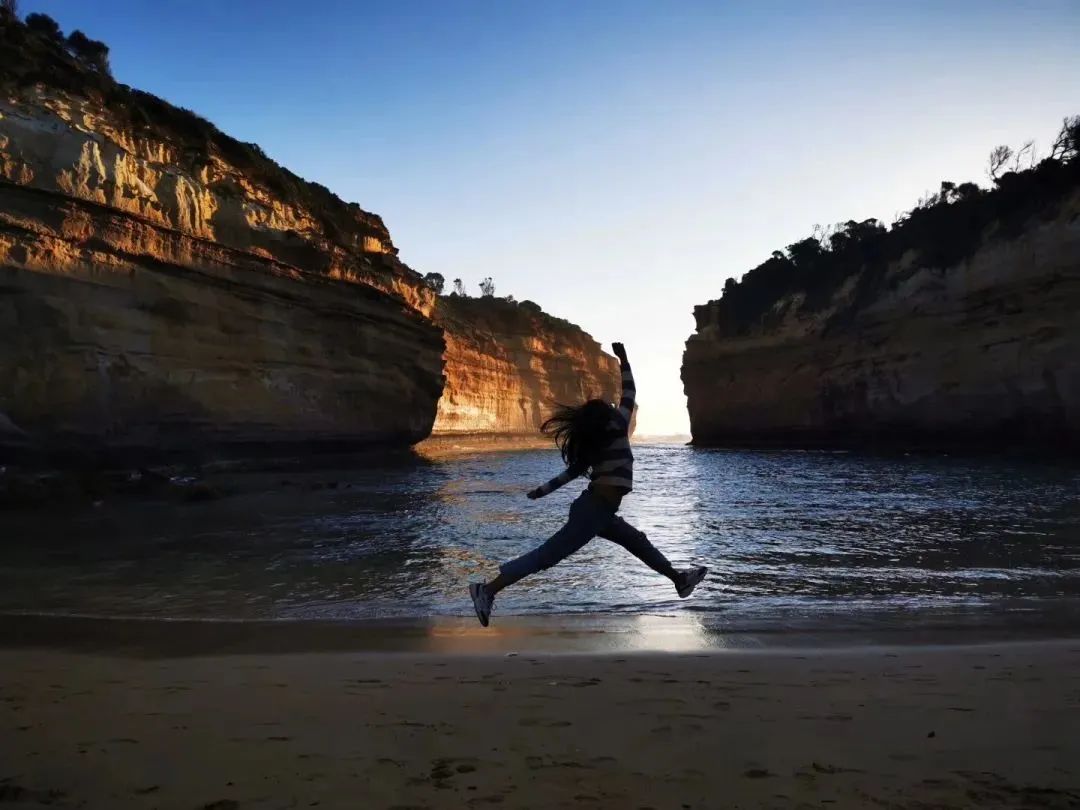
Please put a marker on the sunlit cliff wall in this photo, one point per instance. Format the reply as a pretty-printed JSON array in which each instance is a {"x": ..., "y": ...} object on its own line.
[{"x": 508, "y": 365}]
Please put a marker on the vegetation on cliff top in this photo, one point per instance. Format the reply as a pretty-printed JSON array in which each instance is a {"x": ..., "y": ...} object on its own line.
[
  {"x": 37, "y": 52},
  {"x": 943, "y": 229},
  {"x": 523, "y": 316},
  {"x": 458, "y": 302}
]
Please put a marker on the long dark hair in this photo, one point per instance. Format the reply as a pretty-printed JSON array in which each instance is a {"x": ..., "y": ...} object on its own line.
[{"x": 580, "y": 431}]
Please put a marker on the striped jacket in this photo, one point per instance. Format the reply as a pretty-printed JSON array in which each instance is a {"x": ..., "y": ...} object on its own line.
[{"x": 615, "y": 467}]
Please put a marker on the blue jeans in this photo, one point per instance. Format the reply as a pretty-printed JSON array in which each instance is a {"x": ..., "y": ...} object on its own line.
[{"x": 590, "y": 516}]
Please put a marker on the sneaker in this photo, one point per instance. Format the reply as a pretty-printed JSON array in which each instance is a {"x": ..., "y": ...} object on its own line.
[
  {"x": 690, "y": 579},
  {"x": 481, "y": 601}
]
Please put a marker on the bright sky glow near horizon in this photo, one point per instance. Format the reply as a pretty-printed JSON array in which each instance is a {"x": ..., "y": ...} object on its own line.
[{"x": 612, "y": 161}]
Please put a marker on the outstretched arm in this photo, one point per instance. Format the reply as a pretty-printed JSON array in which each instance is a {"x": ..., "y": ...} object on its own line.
[
  {"x": 629, "y": 391},
  {"x": 565, "y": 477}
]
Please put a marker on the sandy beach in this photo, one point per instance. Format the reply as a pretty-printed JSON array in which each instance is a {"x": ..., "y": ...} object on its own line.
[{"x": 989, "y": 726}]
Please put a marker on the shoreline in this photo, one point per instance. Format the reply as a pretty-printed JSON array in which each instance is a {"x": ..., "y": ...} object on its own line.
[
  {"x": 886, "y": 445},
  {"x": 600, "y": 635}
]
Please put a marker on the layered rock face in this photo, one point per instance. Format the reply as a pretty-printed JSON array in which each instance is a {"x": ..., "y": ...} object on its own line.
[
  {"x": 126, "y": 338},
  {"x": 985, "y": 351},
  {"x": 507, "y": 366},
  {"x": 166, "y": 290},
  {"x": 75, "y": 147},
  {"x": 157, "y": 298}
]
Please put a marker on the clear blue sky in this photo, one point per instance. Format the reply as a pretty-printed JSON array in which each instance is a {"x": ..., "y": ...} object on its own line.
[{"x": 613, "y": 161}]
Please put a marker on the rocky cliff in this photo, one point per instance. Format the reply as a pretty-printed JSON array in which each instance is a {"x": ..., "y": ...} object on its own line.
[
  {"x": 507, "y": 365},
  {"x": 959, "y": 326},
  {"x": 165, "y": 288}
]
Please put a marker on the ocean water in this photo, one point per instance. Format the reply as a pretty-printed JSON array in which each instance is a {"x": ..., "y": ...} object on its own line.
[{"x": 793, "y": 540}]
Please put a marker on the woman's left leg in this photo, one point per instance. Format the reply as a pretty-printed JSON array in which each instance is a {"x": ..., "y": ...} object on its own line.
[{"x": 637, "y": 543}]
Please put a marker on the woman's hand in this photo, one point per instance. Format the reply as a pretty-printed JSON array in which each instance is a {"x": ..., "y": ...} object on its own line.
[
  {"x": 532, "y": 494},
  {"x": 620, "y": 350}
]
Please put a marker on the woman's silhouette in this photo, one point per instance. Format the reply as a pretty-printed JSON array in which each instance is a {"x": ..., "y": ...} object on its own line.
[{"x": 593, "y": 437}]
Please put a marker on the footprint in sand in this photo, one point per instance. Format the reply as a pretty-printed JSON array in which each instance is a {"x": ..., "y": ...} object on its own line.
[
  {"x": 645, "y": 701},
  {"x": 446, "y": 768},
  {"x": 939, "y": 782},
  {"x": 535, "y": 721},
  {"x": 536, "y": 763},
  {"x": 824, "y": 767}
]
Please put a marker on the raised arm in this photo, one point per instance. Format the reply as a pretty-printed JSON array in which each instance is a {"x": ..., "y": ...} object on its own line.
[
  {"x": 629, "y": 391},
  {"x": 565, "y": 477}
]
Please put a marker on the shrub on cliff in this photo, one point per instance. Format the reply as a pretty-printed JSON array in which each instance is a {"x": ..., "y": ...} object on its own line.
[
  {"x": 45, "y": 25},
  {"x": 436, "y": 282},
  {"x": 93, "y": 53},
  {"x": 943, "y": 229}
]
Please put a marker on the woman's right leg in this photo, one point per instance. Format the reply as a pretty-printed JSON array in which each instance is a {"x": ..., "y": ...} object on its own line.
[
  {"x": 589, "y": 515},
  {"x": 578, "y": 531},
  {"x": 581, "y": 527}
]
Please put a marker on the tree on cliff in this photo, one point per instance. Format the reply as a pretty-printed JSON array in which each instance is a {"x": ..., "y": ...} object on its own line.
[
  {"x": 1067, "y": 144},
  {"x": 999, "y": 156},
  {"x": 44, "y": 24},
  {"x": 9, "y": 7},
  {"x": 91, "y": 52},
  {"x": 459, "y": 287},
  {"x": 436, "y": 282},
  {"x": 487, "y": 287}
]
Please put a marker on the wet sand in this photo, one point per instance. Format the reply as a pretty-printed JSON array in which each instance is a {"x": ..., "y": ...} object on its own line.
[{"x": 991, "y": 726}]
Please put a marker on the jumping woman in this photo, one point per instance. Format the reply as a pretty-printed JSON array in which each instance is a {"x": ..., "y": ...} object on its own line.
[{"x": 593, "y": 437}]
